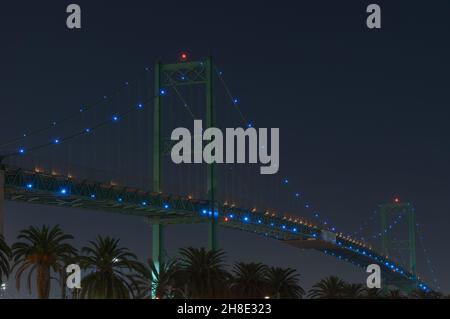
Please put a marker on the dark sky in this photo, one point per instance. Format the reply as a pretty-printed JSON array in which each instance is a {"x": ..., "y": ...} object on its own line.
[{"x": 363, "y": 114}]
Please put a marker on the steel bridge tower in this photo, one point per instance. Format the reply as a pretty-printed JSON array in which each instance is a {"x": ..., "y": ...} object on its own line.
[
  {"x": 173, "y": 75},
  {"x": 389, "y": 244}
]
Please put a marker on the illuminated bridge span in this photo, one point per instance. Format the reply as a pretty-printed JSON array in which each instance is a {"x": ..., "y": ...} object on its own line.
[
  {"x": 163, "y": 209},
  {"x": 160, "y": 208}
]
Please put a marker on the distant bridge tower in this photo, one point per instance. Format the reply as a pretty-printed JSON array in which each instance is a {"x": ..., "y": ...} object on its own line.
[{"x": 391, "y": 244}]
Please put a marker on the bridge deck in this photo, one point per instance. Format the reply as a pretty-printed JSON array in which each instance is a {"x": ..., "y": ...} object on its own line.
[{"x": 46, "y": 189}]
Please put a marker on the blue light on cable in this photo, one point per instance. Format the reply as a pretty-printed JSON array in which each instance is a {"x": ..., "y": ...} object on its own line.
[
  {"x": 115, "y": 118},
  {"x": 21, "y": 151},
  {"x": 29, "y": 186},
  {"x": 93, "y": 196},
  {"x": 166, "y": 206},
  {"x": 56, "y": 141},
  {"x": 87, "y": 130},
  {"x": 63, "y": 191},
  {"x": 162, "y": 92}
]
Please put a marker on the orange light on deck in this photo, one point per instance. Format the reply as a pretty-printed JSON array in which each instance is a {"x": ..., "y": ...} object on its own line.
[
  {"x": 396, "y": 200},
  {"x": 226, "y": 219}
]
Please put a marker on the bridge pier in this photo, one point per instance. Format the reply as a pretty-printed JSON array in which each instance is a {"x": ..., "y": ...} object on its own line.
[
  {"x": 2, "y": 200},
  {"x": 157, "y": 252},
  {"x": 212, "y": 175},
  {"x": 157, "y": 244}
]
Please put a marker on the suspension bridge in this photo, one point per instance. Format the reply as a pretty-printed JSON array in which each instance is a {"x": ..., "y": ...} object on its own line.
[{"x": 28, "y": 183}]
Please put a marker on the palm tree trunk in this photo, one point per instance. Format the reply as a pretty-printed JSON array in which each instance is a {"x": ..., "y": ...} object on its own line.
[{"x": 43, "y": 282}]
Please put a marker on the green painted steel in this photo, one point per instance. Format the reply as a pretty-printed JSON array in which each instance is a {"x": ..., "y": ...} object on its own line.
[
  {"x": 193, "y": 73},
  {"x": 157, "y": 132},
  {"x": 390, "y": 244},
  {"x": 212, "y": 180},
  {"x": 157, "y": 228},
  {"x": 163, "y": 209},
  {"x": 412, "y": 241},
  {"x": 167, "y": 75}
]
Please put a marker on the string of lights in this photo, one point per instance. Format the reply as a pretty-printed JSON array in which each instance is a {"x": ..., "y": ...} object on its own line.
[
  {"x": 182, "y": 99},
  {"x": 71, "y": 116},
  {"x": 366, "y": 223},
  {"x": 234, "y": 100},
  {"x": 86, "y": 131},
  {"x": 389, "y": 227},
  {"x": 285, "y": 181}
]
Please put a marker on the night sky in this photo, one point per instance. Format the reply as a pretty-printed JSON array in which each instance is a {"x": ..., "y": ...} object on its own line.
[{"x": 363, "y": 114}]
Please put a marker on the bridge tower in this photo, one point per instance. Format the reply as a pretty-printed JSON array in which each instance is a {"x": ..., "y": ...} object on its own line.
[
  {"x": 168, "y": 76},
  {"x": 389, "y": 243}
]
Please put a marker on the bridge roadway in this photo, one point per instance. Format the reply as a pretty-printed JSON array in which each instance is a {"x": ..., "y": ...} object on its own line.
[{"x": 47, "y": 189}]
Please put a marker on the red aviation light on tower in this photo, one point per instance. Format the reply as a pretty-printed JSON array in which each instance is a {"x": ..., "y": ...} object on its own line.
[
  {"x": 183, "y": 57},
  {"x": 396, "y": 200}
]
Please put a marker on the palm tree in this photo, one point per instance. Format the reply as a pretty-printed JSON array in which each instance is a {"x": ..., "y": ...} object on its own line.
[
  {"x": 42, "y": 250},
  {"x": 112, "y": 270},
  {"x": 249, "y": 280},
  {"x": 164, "y": 282},
  {"x": 283, "y": 283},
  {"x": 395, "y": 294},
  {"x": 373, "y": 293},
  {"x": 328, "y": 288},
  {"x": 5, "y": 256},
  {"x": 204, "y": 273},
  {"x": 353, "y": 291},
  {"x": 421, "y": 294}
]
